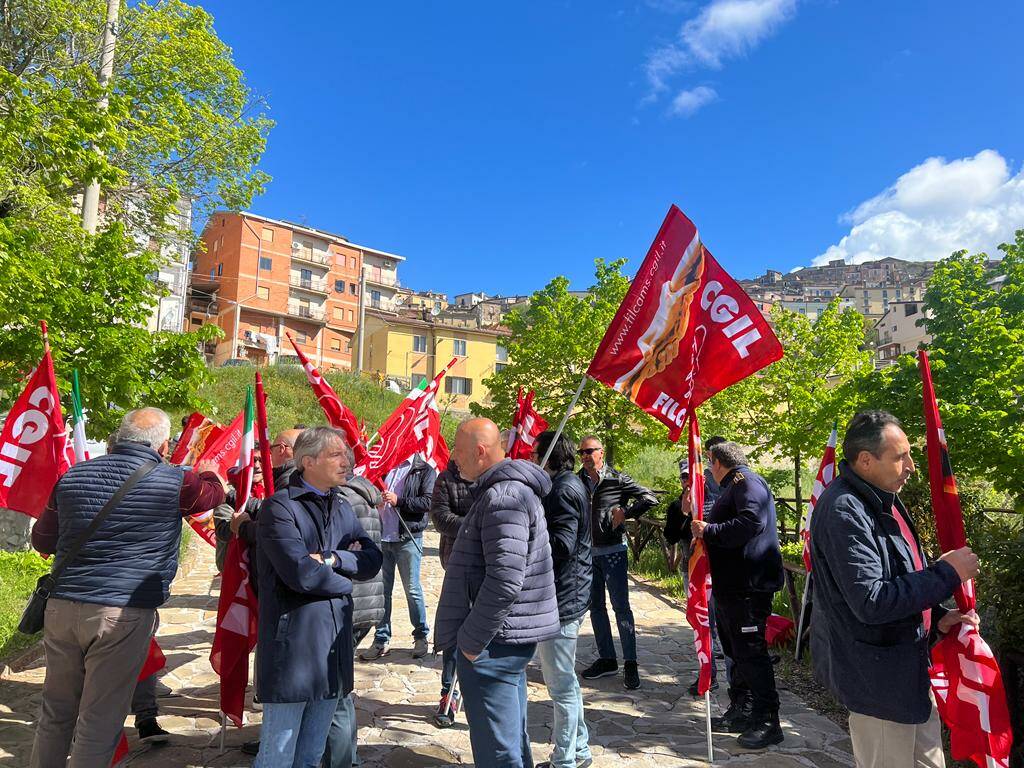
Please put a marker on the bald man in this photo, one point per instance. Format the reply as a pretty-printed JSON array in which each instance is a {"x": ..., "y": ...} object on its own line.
[
  {"x": 282, "y": 456},
  {"x": 498, "y": 599}
]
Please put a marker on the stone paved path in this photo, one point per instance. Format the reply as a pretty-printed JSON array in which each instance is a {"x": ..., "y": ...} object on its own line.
[{"x": 659, "y": 725}]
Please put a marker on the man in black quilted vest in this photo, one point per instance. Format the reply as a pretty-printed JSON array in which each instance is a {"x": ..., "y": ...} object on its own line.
[{"x": 102, "y": 612}]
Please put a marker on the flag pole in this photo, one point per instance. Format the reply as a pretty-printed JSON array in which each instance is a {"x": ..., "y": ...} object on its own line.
[
  {"x": 801, "y": 623},
  {"x": 46, "y": 335},
  {"x": 565, "y": 418},
  {"x": 707, "y": 722}
]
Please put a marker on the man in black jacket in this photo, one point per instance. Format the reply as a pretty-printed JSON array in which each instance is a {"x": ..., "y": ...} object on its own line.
[
  {"x": 746, "y": 571},
  {"x": 614, "y": 496},
  {"x": 449, "y": 505},
  {"x": 403, "y": 517},
  {"x": 567, "y": 512},
  {"x": 876, "y": 603}
]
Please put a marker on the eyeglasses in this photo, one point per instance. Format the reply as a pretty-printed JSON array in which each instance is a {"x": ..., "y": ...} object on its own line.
[
  {"x": 587, "y": 451},
  {"x": 280, "y": 445}
]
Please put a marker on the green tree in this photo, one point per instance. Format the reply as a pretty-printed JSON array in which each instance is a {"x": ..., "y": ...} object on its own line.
[
  {"x": 787, "y": 409},
  {"x": 974, "y": 312},
  {"x": 553, "y": 341},
  {"x": 181, "y": 125}
]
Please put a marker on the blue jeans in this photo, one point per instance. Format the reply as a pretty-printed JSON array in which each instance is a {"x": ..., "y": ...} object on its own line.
[
  {"x": 407, "y": 556},
  {"x": 494, "y": 696},
  {"x": 294, "y": 735},
  {"x": 610, "y": 571},
  {"x": 558, "y": 665},
  {"x": 341, "y": 739}
]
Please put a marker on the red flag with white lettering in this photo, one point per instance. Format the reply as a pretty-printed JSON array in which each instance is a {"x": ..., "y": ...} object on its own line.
[
  {"x": 224, "y": 450},
  {"x": 235, "y": 636},
  {"x": 699, "y": 567},
  {"x": 684, "y": 332},
  {"x": 34, "y": 446},
  {"x": 526, "y": 427},
  {"x": 966, "y": 679},
  {"x": 338, "y": 414}
]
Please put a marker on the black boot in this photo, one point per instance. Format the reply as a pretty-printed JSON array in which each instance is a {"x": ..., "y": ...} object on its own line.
[
  {"x": 736, "y": 719},
  {"x": 762, "y": 732}
]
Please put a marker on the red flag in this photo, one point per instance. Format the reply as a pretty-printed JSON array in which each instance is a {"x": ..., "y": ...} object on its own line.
[
  {"x": 224, "y": 450},
  {"x": 263, "y": 435},
  {"x": 966, "y": 679},
  {"x": 684, "y": 332},
  {"x": 191, "y": 434},
  {"x": 826, "y": 473},
  {"x": 528, "y": 424},
  {"x": 34, "y": 446},
  {"x": 413, "y": 427},
  {"x": 699, "y": 568},
  {"x": 235, "y": 636},
  {"x": 338, "y": 414}
]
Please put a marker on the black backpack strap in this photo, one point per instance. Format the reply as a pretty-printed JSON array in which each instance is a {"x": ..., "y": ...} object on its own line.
[{"x": 97, "y": 521}]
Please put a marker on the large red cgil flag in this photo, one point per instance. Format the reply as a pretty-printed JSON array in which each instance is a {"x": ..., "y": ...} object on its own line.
[
  {"x": 34, "y": 446},
  {"x": 966, "y": 679},
  {"x": 684, "y": 332}
]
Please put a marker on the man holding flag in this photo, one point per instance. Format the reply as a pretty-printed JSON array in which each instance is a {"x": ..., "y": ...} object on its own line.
[{"x": 878, "y": 600}]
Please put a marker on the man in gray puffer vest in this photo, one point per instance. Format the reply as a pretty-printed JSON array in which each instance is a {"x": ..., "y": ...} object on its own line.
[
  {"x": 498, "y": 598},
  {"x": 367, "y": 596}
]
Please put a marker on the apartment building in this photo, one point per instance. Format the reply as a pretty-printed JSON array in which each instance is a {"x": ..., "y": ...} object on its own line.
[
  {"x": 874, "y": 301},
  {"x": 410, "y": 346},
  {"x": 432, "y": 301},
  {"x": 899, "y": 331},
  {"x": 812, "y": 309},
  {"x": 261, "y": 279}
]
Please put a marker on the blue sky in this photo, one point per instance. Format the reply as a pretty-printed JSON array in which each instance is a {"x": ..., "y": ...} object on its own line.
[{"x": 497, "y": 145}]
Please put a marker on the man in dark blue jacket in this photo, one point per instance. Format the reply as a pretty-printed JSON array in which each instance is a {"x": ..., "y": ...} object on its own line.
[
  {"x": 311, "y": 546},
  {"x": 742, "y": 544},
  {"x": 876, "y": 600},
  {"x": 567, "y": 513}
]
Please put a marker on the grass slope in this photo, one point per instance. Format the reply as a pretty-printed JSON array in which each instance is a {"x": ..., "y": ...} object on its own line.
[{"x": 19, "y": 572}]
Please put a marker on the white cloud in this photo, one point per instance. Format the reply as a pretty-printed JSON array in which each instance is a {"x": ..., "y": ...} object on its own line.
[
  {"x": 934, "y": 209},
  {"x": 688, "y": 102},
  {"x": 724, "y": 29}
]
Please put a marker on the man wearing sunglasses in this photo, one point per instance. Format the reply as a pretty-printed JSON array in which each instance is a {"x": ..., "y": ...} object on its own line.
[{"x": 614, "y": 496}]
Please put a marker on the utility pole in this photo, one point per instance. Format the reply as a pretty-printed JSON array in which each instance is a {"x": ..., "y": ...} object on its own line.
[
  {"x": 362, "y": 316},
  {"x": 91, "y": 198}
]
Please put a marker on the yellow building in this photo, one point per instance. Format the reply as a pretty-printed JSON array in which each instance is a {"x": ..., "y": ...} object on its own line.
[{"x": 406, "y": 348}]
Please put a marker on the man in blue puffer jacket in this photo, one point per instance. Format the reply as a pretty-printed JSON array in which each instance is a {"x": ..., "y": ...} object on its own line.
[{"x": 498, "y": 598}]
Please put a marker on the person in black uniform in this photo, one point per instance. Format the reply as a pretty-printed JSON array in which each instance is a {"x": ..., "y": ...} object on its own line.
[{"x": 742, "y": 543}]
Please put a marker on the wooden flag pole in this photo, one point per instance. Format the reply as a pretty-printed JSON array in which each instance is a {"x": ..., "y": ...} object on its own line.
[
  {"x": 565, "y": 419},
  {"x": 707, "y": 722}
]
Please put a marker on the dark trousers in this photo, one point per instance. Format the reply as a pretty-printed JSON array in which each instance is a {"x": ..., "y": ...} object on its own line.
[
  {"x": 447, "y": 669},
  {"x": 610, "y": 571},
  {"x": 741, "y": 628},
  {"x": 494, "y": 695}
]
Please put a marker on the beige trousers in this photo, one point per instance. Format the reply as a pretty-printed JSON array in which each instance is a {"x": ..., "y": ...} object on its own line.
[
  {"x": 94, "y": 654},
  {"x": 885, "y": 744}
]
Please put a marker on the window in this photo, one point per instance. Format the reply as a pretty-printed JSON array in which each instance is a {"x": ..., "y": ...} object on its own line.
[
  {"x": 375, "y": 299},
  {"x": 351, "y": 316},
  {"x": 197, "y": 319},
  {"x": 353, "y": 288},
  {"x": 300, "y": 337},
  {"x": 339, "y": 286},
  {"x": 268, "y": 235},
  {"x": 216, "y": 245},
  {"x": 220, "y": 269},
  {"x": 419, "y": 343},
  {"x": 417, "y": 379},
  {"x": 352, "y": 262},
  {"x": 865, "y": 294},
  {"x": 348, "y": 344},
  {"x": 458, "y": 385},
  {"x": 336, "y": 345},
  {"x": 437, "y": 306},
  {"x": 339, "y": 313},
  {"x": 339, "y": 259},
  {"x": 213, "y": 273},
  {"x": 499, "y": 367},
  {"x": 501, "y": 353},
  {"x": 266, "y": 263},
  {"x": 459, "y": 348},
  {"x": 263, "y": 292}
]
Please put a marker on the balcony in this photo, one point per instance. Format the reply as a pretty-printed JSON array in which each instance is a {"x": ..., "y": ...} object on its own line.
[
  {"x": 387, "y": 279},
  {"x": 309, "y": 284},
  {"x": 307, "y": 313},
  {"x": 309, "y": 256}
]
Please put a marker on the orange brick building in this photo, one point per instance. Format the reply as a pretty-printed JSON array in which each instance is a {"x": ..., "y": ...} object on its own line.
[{"x": 261, "y": 278}]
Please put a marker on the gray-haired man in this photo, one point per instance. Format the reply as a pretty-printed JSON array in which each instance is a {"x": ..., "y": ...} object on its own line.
[{"x": 102, "y": 613}]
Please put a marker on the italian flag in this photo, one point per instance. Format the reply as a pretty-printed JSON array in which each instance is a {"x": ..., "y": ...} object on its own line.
[
  {"x": 245, "y": 457},
  {"x": 81, "y": 450}
]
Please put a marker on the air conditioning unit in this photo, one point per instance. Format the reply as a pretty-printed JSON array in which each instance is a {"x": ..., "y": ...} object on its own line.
[
  {"x": 388, "y": 265},
  {"x": 296, "y": 245}
]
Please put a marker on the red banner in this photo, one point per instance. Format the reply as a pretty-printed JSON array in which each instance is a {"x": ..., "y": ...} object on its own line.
[
  {"x": 191, "y": 434},
  {"x": 968, "y": 685},
  {"x": 235, "y": 636},
  {"x": 34, "y": 446},
  {"x": 263, "y": 435},
  {"x": 155, "y": 661},
  {"x": 338, "y": 414},
  {"x": 526, "y": 427},
  {"x": 826, "y": 474},
  {"x": 699, "y": 568},
  {"x": 684, "y": 332}
]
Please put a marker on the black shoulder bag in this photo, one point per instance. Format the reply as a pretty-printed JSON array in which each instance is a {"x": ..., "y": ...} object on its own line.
[{"x": 32, "y": 619}]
